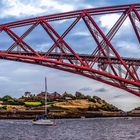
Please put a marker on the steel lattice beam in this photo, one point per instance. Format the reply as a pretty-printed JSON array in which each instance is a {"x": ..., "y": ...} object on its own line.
[{"x": 104, "y": 64}]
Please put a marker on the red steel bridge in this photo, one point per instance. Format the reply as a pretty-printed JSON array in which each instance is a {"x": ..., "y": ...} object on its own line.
[{"x": 104, "y": 64}]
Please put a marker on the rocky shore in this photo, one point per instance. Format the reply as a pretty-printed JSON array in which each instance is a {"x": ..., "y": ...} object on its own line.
[{"x": 30, "y": 114}]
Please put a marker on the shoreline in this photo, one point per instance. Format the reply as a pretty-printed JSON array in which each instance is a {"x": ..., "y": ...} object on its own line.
[{"x": 31, "y": 114}]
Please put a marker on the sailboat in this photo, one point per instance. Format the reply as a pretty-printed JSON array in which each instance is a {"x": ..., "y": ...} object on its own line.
[{"x": 43, "y": 120}]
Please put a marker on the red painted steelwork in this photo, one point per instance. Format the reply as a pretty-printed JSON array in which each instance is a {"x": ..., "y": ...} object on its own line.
[{"x": 104, "y": 64}]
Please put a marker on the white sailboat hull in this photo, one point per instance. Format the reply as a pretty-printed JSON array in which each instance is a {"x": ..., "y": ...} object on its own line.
[{"x": 43, "y": 122}]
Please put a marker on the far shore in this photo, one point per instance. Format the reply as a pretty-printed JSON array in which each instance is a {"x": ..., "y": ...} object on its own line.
[
  {"x": 31, "y": 114},
  {"x": 60, "y": 106}
]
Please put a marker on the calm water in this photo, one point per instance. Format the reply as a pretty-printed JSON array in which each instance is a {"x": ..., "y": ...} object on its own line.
[{"x": 72, "y": 129}]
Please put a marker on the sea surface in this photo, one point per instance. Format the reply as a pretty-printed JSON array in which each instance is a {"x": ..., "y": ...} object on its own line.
[{"x": 72, "y": 129}]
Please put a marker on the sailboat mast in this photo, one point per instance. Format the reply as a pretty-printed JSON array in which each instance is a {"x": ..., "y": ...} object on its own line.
[{"x": 45, "y": 96}]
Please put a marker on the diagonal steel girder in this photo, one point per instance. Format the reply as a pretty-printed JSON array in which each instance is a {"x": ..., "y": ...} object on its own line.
[{"x": 130, "y": 83}]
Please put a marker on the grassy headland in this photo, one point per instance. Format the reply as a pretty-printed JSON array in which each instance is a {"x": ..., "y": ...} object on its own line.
[{"x": 59, "y": 105}]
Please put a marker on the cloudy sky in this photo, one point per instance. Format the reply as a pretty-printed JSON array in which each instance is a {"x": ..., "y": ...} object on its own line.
[{"x": 16, "y": 78}]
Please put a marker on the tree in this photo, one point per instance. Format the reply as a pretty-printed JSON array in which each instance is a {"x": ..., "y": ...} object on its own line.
[
  {"x": 3, "y": 107},
  {"x": 88, "y": 97},
  {"x": 27, "y": 94},
  {"x": 79, "y": 95},
  {"x": 16, "y": 102},
  {"x": 68, "y": 95},
  {"x": 96, "y": 97},
  {"x": 7, "y": 98}
]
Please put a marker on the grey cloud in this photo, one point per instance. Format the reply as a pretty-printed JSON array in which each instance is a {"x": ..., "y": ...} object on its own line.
[
  {"x": 101, "y": 90},
  {"x": 86, "y": 89}
]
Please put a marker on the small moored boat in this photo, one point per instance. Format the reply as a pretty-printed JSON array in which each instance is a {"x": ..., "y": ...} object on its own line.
[
  {"x": 43, "y": 122},
  {"x": 43, "y": 119}
]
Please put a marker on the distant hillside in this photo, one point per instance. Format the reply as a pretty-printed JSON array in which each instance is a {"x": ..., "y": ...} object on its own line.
[
  {"x": 59, "y": 106},
  {"x": 55, "y": 100}
]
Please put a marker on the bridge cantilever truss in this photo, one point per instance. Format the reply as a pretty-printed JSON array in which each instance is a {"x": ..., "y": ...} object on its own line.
[{"x": 104, "y": 64}]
